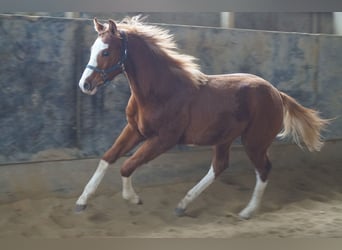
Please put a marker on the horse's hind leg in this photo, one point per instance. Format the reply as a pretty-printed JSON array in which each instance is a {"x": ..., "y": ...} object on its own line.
[
  {"x": 258, "y": 155},
  {"x": 219, "y": 163}
]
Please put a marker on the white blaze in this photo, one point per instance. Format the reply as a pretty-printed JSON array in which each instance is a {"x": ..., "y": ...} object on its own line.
[{"x": 97, "y": 47}]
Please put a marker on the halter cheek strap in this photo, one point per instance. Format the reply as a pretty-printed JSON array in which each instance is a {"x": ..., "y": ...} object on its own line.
[{"x": 119, "y": 65}]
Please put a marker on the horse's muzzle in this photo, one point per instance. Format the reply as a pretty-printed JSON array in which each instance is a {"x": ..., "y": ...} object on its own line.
[
  {"x": 88, "y": 89},
  {"x": 87, "y": 86}
]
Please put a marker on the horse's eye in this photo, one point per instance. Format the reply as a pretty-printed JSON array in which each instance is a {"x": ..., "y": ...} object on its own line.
[{"x": 105, "y": 53}]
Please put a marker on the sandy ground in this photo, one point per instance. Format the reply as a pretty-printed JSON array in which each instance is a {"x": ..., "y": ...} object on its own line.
[{"x": 300, "y": 201}]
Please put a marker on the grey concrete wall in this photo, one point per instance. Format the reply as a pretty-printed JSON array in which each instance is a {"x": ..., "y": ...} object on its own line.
[
  {"x": 304, "y": 22},
  {"x": 37, "y": 94},
  {"x": 43, "y": 59}
]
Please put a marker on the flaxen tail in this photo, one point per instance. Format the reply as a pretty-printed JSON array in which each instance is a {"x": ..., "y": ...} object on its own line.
[{"x": 303, "y": 124}]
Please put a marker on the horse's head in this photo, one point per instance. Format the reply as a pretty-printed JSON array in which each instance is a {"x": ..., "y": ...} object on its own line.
[{"x": 107, "y": 57}]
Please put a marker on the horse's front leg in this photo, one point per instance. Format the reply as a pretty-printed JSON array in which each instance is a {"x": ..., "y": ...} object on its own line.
[
  {"x": 127, "y": 140},
  {"x": 149, "y": 150}
]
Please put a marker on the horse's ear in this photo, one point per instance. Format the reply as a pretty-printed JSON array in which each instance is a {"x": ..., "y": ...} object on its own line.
[
  {"x": 112, "y": 26},
  {"x": 99, "y": 27}
]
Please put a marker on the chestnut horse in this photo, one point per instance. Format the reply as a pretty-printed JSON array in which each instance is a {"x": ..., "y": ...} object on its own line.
[{"x": 173, "y": 102}]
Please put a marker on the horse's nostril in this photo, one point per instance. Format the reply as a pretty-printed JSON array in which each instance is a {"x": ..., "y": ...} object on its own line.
[{"x": 86, "y": 86}]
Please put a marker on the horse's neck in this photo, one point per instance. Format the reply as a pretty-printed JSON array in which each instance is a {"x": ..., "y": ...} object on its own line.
[{"x": 147, "y": 77}]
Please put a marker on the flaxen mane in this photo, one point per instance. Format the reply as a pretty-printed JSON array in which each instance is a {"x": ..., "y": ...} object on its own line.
[{"x": 162, "y": 44}]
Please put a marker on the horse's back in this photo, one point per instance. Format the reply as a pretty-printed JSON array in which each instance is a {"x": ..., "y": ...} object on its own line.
[
  {"x": 227, "y": 104},
  {"x": 240, "y": 93},
  {"x": 246, "y": 89}
]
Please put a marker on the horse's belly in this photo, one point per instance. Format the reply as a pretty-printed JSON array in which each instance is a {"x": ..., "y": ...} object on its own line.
[{"x": 215, "y": 133}]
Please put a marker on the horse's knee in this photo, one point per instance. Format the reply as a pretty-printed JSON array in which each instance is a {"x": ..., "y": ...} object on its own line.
[
  {"x": 128, "y": 167},
  {"x": 126, "y": 172}
]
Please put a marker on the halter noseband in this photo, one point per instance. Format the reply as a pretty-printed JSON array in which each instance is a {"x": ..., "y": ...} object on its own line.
[{"x": 119, "y": 65}]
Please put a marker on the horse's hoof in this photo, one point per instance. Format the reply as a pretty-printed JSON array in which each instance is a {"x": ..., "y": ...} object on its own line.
[
  {"x": 244, "y": 216},
  {"x": 80, "y": 208},
  {"x": 180, "y": 211},
  {"x": 136, "y": 201}
]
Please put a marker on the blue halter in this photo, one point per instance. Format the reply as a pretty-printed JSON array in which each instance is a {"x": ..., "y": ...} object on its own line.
[{"x": 119, "y": 65}]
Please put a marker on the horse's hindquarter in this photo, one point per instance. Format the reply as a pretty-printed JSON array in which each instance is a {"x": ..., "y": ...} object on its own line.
[{"x": 223, "y": 108}]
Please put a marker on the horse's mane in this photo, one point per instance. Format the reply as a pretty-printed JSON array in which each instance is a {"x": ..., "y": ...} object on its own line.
[{"x": 162, "y": 43}]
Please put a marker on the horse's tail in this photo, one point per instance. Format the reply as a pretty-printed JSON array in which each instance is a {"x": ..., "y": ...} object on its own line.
[{"x": 303, "y": 124}]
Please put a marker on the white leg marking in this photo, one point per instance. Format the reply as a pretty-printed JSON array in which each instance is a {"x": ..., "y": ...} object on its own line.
[
  {"x": 197, "y": 190},
  {"x": 97, "y": 47},
  {"x": 255, "y": 201},
  {"x": 93, "y": 183},
  {"x": 128, "y": 192}
]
